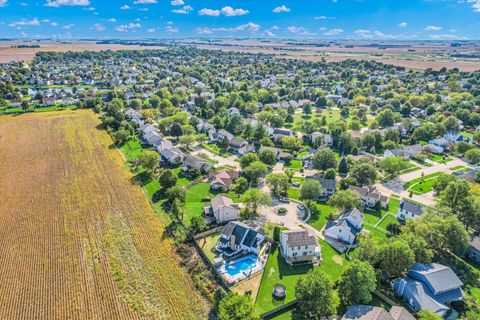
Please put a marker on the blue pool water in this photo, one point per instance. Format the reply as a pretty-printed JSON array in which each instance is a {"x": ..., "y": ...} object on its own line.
[{"x": 240, "y": 265}]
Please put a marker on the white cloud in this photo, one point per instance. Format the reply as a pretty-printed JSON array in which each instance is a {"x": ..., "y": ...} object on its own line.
[
  {"x": 475, "y": 5},
  {"x": 58, "y": 3},
  {"x": 54, "y": 24},
  {"x": 209, "y": 12},
  {"x": 25, "y": 23},
  {"x": 333, "y": 32},
  {"x": 171, "y": 29},
  {"x": 68, "y": 26},
  {"x": 269, "y": 33},
  {"x": 446, "y": 37},
  {"x": 125, "y": 7},
  {"x": 183, "y": 10},
  {"x": 280, "y": 9},
  {"x": 226, "y": 11},
  {"x": 231, "y": 12},
  {"x": 250, "y": 27},
  {"x": 89, "y": 9},
  {"x": 433, "y": 28},
  {"x": 177, "y": 2},
  {"x": 3, "y": 3},
  {"x": 23, "y": 4},
  {"x": 142, "y": 9},
  {"x": 99, "y": 27},
  {"x": 403, "y": 25},
  {"x": 274, "y": 27},
  {"x": 151, "y": 30},
  {"x": 300, "y": 30},
  {"x": 144, "y": 1},
  {"x": 112, "y": 20},
  {"x": 375, "y": 34},
  {"x": 320, "y": 17},
  {"x": 126, "y": 27}
]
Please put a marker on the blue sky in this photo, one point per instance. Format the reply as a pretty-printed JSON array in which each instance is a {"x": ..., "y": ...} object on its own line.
[{"x": 317, "y": 19}]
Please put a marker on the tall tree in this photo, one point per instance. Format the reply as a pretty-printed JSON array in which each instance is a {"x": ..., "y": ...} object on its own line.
[
  {"x": 357, "y": 282},
  {"x": 278, "y": 183},
  {"x": 324, "y": 159},
  {"x": 396, "y": 257},
  {"x": 315, "y": 296},
  {"x": 345, "y": 199},
  {"x": 237, "y": 307},
  {"x": 254, "y": 198},
  {"x": 310, "y": 190}
]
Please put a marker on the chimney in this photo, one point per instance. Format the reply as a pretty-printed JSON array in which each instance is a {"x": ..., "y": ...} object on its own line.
[{"x": 232, "y": 242}]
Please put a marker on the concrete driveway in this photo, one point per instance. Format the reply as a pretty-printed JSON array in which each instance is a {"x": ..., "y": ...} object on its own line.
[{"x": 291, "y": 219}]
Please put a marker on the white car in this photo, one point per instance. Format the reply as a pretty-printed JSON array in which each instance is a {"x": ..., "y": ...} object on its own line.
[{"x": 301, "y": 207}]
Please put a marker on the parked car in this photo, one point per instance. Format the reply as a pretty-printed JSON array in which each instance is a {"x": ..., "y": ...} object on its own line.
[
  {"x": 296, "y": 184},
  {"x": 284, "y": 199},
  {"x": 301, "y": 207}
]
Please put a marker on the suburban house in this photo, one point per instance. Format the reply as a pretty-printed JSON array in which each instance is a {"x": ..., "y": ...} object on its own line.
[
  {"x": 326, "y": 139},
  {"x": 433, "y": 148},
  {"x": 191, "y": 163},
  {"x": 409, "y": 210},
  {"x": 346, "y": 227},
  {"x": 241, "y": 146},
  {"x": 456, "y": 137},
  {"x": 299, "y": 246},
  {"x": 429, "y": 287},
  {"x": 370, "y": 198},
  {"x": 439, "y": 142},
  {"x": 169, "y": 154},
  {"x": 48, "y": 101},
  {"x": 406, "y": 152},
  {"x": 366, "y": 312},
  {"x": 240, "y": 238},
  {"x": 328, "y": 187},
  {"x": 152, "y": 138},
  {"x": 280, "y": 133},
  {"x": 223, "y": 179},
  {"x": 220, "y": 136},
  {"x": 473, "y": 251},
  {"x": 221, "y": 209}
]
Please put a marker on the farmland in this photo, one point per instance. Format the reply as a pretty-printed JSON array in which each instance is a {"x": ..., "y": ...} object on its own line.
[{"x": 79, "y": 240}]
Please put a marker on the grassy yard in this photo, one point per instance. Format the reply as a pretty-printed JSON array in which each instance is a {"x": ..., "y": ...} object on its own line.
[
  {"x": 420, "y": 179},
  {"x": 295, "y": 164},
  {"x": 213, "y": 148},
  {"x": 278, "y": 271},
  {"x": 194, "y": 200},
  {"x": 132, "y": 149},
  {"x": 388, "y": 219},
  {"x": 208, "y": 245},
  {"x": 319, "y": 220}
]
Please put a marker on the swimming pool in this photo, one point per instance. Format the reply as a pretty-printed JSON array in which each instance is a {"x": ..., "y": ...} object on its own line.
[{"x": 242, "y": 265}]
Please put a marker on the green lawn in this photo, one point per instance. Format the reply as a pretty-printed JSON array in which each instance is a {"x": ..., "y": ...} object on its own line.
[
  {"x": 213, "y": 148},
  {"x": 132, "y": 149},
  {"x": 278, "y": 271},
  {"x": 295, "y": 164},
  {"x": 294, "y": 193},
  {"x": 414, "y": 181},
  {"x": 389, "y": 218},
  {"x": 194, "y": 203},
  {"x": 423, "y": 187},
  {"x": 208, "y": 245},
  {"x": 319, "y": 220}
]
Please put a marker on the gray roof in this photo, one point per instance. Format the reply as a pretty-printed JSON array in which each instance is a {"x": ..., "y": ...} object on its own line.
[
  {"x": 412, "y": 207},
  {"x": 297, "y": 238},
  {"x": 417, "y": 290},
  {"x": 441, "y": 278},
  {"x": 400, "y": 313},
  {"x": 364, "y": 312},
  {"x": 475, "y": 243},
  {"x": 327, "y": 183},
  {"x": 221, "y": 201}
]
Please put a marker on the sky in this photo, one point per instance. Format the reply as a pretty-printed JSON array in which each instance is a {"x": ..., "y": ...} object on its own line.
[{"x": 309, "y": 19}]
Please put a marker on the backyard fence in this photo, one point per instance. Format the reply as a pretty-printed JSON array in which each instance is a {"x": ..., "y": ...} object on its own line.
[
  {"x": 207, "y": 233},
  {"x": 280, "y": 309},
  {"x": 207, "y": 261}
]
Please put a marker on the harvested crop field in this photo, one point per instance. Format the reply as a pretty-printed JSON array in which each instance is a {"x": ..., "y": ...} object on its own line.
[{"x": 78, "y": 239}]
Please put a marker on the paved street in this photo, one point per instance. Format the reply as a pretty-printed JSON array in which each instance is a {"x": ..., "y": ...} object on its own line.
[
  {"x": 221, "y": 161},
  {"x": 427, "y": 198}
]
